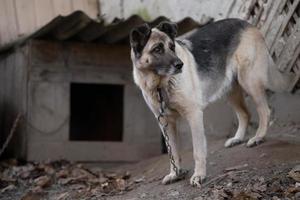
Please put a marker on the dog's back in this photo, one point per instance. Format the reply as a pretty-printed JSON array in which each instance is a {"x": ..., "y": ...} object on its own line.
[
  {"x": 213, "y": 43},
  {"x": 231, "y": 56}
]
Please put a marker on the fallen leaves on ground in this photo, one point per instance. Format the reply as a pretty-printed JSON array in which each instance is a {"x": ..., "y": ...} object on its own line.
[
  {"x": 238, "y": 184},
  {"x": 64, "y": 180},
  {"x": 72, "y": 179}
]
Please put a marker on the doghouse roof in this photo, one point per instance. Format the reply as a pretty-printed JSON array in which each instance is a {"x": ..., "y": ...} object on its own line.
[{"x": 80, "y": 27}]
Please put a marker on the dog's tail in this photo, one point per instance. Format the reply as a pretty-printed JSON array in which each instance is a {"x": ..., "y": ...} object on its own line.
[{"x": 278, "y": 81}]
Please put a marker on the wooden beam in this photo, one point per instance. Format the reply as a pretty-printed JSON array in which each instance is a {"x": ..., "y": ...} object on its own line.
[{"x": 58, "y": 55}]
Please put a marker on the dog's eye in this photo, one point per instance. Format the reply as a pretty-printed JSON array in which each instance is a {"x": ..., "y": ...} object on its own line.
[
  {"x": 172, "y": 47},
  {"x": 158, "y": 50}
]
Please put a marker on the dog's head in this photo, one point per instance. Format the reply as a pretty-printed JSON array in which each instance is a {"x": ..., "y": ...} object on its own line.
[{"x": 154, "y": 49}]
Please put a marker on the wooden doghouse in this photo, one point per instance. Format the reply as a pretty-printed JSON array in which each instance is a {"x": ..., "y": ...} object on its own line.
[{"x": 72, "y": 82}]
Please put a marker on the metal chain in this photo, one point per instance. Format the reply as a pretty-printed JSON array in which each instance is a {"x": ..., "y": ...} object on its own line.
[
  {"x": 11, "y": 133},
  {"x": 164, "y": 124}
]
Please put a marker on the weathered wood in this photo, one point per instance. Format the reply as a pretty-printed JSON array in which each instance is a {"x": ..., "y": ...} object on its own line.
[
  {"x": 13, "y": 82},
  {"x": 107, "y": 56},
  {"x": 44, "y": 12},
  {"x": 19, "y": 18},
  {"x": 8, "y": 22},
  {"x": 53, "y": 55},
  {"x": 273, "y": 22},
  {"x": 26, "y": 16},
  {"x": 284, "y": 23},
  {"x": 47, "y": 54},
  {"x": 62, "y": 7}
]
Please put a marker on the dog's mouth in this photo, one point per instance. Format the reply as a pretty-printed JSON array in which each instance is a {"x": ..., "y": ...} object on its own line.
[
  {"x": 177, "y": 71},
  {"x": 169, "y": 72}
]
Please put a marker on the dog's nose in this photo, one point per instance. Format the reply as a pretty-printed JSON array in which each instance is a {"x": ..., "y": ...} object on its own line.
[{"x": 178, "y": 64}]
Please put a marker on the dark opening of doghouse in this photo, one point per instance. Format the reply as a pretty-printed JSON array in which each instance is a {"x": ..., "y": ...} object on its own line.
[{"x": 96, "y": 112}]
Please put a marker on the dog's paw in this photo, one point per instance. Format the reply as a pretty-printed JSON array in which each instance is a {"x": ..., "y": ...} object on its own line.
[
  {"x": 255, "y": 141},
  {"x": 196, "y": 180},
  {"x": 170, "y": 178},
  {"x": 232, "y": 142}
]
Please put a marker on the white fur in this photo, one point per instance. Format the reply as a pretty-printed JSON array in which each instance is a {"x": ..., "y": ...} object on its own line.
[{"x": 186, "y": 105}]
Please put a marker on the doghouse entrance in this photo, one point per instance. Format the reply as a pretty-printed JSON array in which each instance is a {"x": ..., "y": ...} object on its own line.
[{"x": 96, "y": 112}]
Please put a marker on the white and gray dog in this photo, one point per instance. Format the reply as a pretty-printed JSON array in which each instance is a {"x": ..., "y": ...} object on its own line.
[{"x": 224, "y": 58}]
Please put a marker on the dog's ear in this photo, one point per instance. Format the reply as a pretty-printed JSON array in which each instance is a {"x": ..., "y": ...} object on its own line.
[
  {"x": 169, "y": 28},
  {"x": 139, "y": 37}
]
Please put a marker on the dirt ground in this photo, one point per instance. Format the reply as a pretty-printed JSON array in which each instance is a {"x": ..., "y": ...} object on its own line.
[{"x": 262, "y": 172}]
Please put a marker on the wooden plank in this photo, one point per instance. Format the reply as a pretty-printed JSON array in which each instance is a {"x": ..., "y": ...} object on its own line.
[
  {"x": 272, "y": 25},
  {"x": 285, "y": 22},
  {"x": 290, "y": 51},
  {"x": 93, "y": 8},
  {"x": 62, "y": 7},
  {"x": 54, "y": 55},
  {"x": 109, "y": 56},
  {"x": 8, "y": 22},
  {"x": 47, "y": 54},
  {"x": 44, "y": 12},
  {"x": 26, "y": 16},
  {"x": 90, "y": 7},
  {"x": 78, "y": 5}
]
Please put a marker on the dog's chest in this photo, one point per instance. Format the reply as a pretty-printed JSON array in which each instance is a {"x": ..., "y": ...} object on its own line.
[{"x": 177, "y": 101}]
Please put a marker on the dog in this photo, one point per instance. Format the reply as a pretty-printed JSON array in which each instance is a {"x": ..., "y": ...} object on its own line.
[{"x": 223, "y": 58}]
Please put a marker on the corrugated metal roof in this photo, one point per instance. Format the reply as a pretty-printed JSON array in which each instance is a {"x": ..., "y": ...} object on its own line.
[{"x": 80, "y": 27}]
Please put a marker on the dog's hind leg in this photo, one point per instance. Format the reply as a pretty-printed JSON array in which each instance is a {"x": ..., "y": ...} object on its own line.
[
  {"x": 237, "y": 101},
  {"x": 255, "y": 88},
  {"x": 263, "y": 110}
]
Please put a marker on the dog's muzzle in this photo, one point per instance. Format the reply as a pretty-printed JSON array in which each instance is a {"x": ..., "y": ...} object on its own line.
[{"x": 178, "y": 66}]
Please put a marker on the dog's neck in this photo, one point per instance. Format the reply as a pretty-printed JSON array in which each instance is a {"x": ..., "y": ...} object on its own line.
[{"x": 149, "y": 81}]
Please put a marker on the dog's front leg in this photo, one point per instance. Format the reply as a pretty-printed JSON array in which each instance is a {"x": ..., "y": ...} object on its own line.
[
  {"x": 173, "y": 141},
  {"x": 195, "y": 119}
]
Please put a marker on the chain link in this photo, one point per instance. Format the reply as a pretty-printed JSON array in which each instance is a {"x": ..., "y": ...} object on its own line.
[{"x": 164, "y": 124}]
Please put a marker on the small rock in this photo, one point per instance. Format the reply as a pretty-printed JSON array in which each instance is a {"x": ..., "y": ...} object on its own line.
[
  {"x": 62, "y": 196},
  {"x": 65, "y": 181},
  {"x": 77, "y": 187},
  {"x": 49, "y": 170},
  {"x": 143, "y": 195},
  {"x": 31, "y": 196},
  {"x": 295, "y": 173},
  {"x": 139, "y": 180},
  {"x": 297, "y": 185},
  {"x": 62, "y": 173},
  {"x": 42, "y": 181},
  {"x": 263, "y": 155},
  {"x": 260, "y": 185},
  {"x": 8, "y": 188},
  {"x": 174, "y": 193},
  {"x": 111, "y": 175},
  {"x": 275, "y": 198},
  {"x": 229, "y": 184},
  {"x": 238, "y": 167},
  {"x": 98, "y": 180},
  {"x": 198, "y": 198},
  {"x": 126, "y": 175},
  {"x": 120, "y": 184},
  {"x": 297, "y": 196},
  {"x": 36, "y": 190}
]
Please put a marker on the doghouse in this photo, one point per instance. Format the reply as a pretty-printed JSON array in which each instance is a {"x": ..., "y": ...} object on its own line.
[{"x": 72, "y": 82}]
